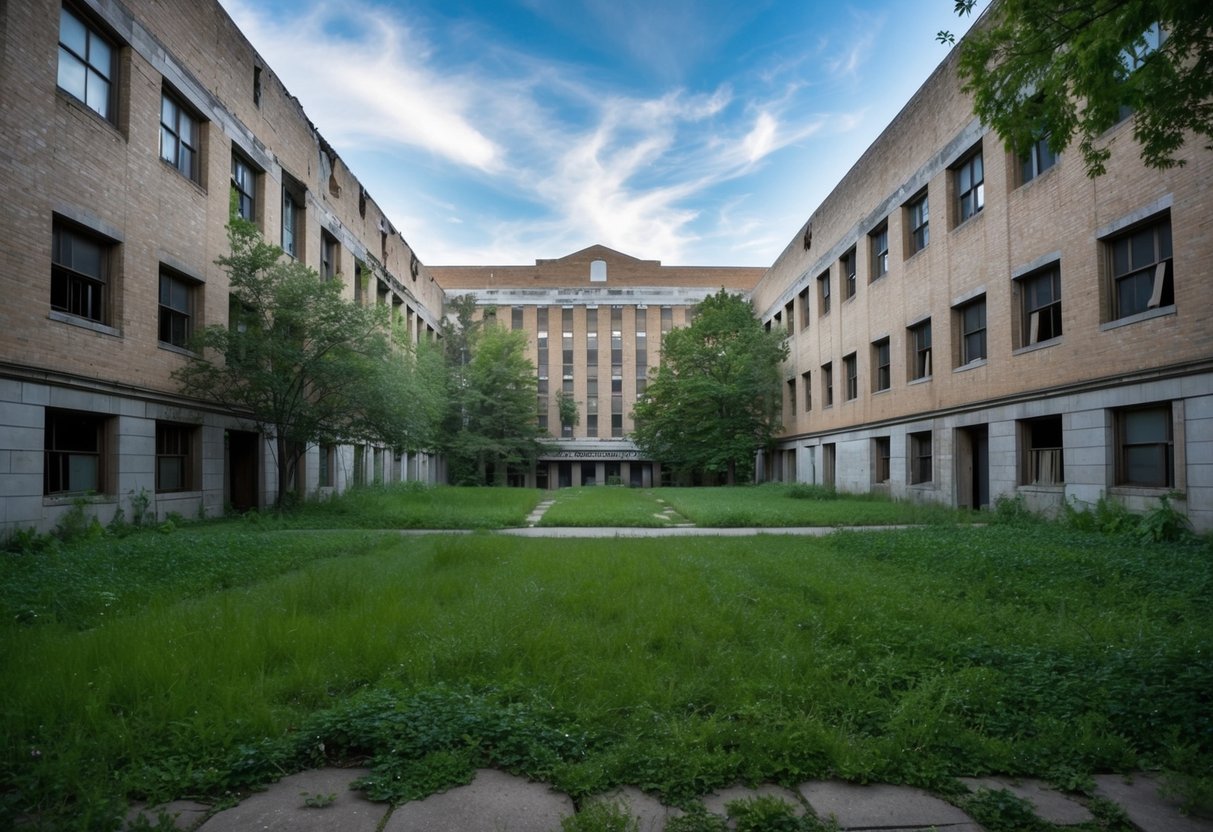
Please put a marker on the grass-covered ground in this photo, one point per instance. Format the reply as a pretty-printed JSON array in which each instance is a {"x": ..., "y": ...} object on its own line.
[
  {"x": 605, "y": 506},
  {"x": 211, "y": 658},
  {"x": 800, "y": 505}
]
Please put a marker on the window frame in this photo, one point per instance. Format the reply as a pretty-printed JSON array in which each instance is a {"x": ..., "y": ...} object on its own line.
[
  {"x": 58, "y": 456},
  {"x": 921, "y": 456},
  {"x": 92, "y": 32},
  {"x": 170, "y": 314},
  {"x": 850, "y": 364},
  {"x": 1160, "y": 271},
  {"x": 879, "y": 251},
  {"x": 827, "y": 384},
  {"x": 918, "y": 222},
  {"x": 330, "y": 256},
  {"x": 921, "y": 355},
  {"x": 1167, "y": 446},
  {"x": 847, "y": 268},
  {"x": 882, "y": 455},
  {"x": 76, "y": 292},
  {"x": 241, "y": 164},
  {"x": 970, "y": 195},
  {"x": 182, "y": 449},
  {"x": 1032, "y": 314},
  {"x": 823, "y": 294},
  {"x": 967, "y": 329},
  {"x": 1041, "y": 465},
  {"x": 882, "y": 364},
  {"x": 1036, "y": 160},
  {"x": 183, "y": 115}
]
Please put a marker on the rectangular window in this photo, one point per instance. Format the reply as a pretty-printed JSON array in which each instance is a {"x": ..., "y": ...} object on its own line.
[
  {"x": 805, "y": 315},
  {"x": 293, "y": 201},
  {"x": 1146, "y": 450},
  {"x": 80, "y": 266},
  {"x": 1041, "y": 306},
  {"x": 920, "y": 457},
  {"x": 1141, "y": 269},
  {"x": 792, "y": 396},
  {"x": 180, "y": 136},
  {"x": 616, "y": 416},
  {"x": 1042, "y": 462},
  {"x": 881, "y": 453},
  {"x": 847, "y": 264},
  {"x": 516, "y": 317},
  {"x": 851, "y": 365},
  {"x": 970, "y": 186},
  {"x": 920, "y": 350},
  {"x": 879, "y": 239},
  {"x": 74, "y": 445},
  {"x": 823, "y": 294},
  {"x": 244, "y": 188},
  {"x": 86, "y": 64},
  {"x": 176, "y": 309},
  {"x": 1038, "y": 158},
  {"x": 827, "y": 385},
  {"x": 789, "y": 316},
  {"x": 972, "y": 319},
  {"x": 919, "y": 215},
  {"x": 807, "y": 386},
  {"x": 330, "y": 254},
  {"x": 881, "y": 362},
  {"x": 667, "y": 319},
  {"x": 174, "y": 457},
  {"x": 327, "y": 460}
]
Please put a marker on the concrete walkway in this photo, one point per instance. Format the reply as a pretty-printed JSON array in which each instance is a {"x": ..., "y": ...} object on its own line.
[{"x": 321, "y": 801}]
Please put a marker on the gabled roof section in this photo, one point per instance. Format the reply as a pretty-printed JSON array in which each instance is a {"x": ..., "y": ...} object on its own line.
[{"x": 597, "y": 252}]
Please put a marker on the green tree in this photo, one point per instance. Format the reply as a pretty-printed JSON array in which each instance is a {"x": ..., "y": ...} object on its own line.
[
  {"x": 305, "y": 365},
  {"x": 490, "y": 424},
  {"x": 566, "y": 406},
  {"x": 716, "y": 399},
  {"x": 1039, "y": 69}
]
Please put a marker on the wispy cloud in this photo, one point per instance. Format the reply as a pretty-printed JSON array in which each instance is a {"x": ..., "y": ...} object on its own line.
[{"x": 641, "y": 172}]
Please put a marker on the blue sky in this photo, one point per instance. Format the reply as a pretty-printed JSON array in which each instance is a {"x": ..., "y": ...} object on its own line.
[{"x": 695, "y": 132}]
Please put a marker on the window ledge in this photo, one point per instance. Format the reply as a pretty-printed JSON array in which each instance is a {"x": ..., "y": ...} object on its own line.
[
  {"x": 89, "y": 499},
  {"x": 79, "y": 106},
  {"x": 1040, "y": 176},
  {"x": 167, "y": 347},
  {"x": 83, "y": 323},
  {"x": 1040, "y": 488},
  {"x": 922, "y": 380},
  {"x": 972, "y": 365},
  {"x": 877, "y": 279},
  {"x": 177, "y": 171},
  {"x": 1160, "y": 312},
  {"x": 883, "y": 390},
  {"x": 1039, "y": 345},
  {"x": 192, "y": 494},
  {"x": 916, "y": 253},
  {"x": 1141, "y": 490}
]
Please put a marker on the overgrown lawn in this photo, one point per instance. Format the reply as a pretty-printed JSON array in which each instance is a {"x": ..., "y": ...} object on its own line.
[
  {"x": 679, "y": 665},
  {"x": 799, "y": 505},
  {"x": 410, "y": 506},
  {"x": 604, "y": 506}
]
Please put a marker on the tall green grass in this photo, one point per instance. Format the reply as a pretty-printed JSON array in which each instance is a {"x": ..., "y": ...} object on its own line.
[
  {"x": 605, "y": 506},
  {"x": 677, "y": 665},
  {"x": 783, "y": 505},
  {"x": 409, "y": 506}
]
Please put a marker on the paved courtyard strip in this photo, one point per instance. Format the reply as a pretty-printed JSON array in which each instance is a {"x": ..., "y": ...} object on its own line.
[{"x": 499, "y": 802}]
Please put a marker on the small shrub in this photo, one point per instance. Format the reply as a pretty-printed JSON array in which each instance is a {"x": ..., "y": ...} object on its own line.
[
  {"x": 807, "y": 491},
  {"x": 601, "y": 816},
  {"x": 1163, "y": 524},
  {"x": 318, "y": 800},
  {"x": 998, "y": 810},
  {"x": 698, "y": 819},
  {"x": 1012, "y": 511},
  {"x": 140, "y": 505}
]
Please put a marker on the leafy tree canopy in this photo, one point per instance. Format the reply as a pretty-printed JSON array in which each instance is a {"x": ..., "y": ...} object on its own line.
[
  {"x": 490, "y": 424},
  {"x": 306, "y": 366},
  {"x": 717, "y": 397},
  {"x": 1069, "y": 70}
]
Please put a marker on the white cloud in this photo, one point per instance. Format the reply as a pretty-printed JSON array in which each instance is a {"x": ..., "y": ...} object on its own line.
[{"x": 374, "y": 84}]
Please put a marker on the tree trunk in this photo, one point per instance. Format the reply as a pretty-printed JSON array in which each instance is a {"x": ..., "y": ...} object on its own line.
[
  {"x": 731, "y": 477},
  {"x": 280, "y": 446}
]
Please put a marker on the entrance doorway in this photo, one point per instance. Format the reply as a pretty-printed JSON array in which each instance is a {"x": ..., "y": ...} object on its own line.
[
  {"x": 973, "y": 467},
  {"x": 242, "y": 461}
]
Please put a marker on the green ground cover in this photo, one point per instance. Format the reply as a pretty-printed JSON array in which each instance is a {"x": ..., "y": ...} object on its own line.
[
  {"x": 800, "y": 505},
  {"x": 604, "y": 506},
  {"x": 409, "y": 506},
  {"x": 678, "y": 665}
]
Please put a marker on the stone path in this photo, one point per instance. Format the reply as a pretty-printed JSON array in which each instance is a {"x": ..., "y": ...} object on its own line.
[{"x": 499, "y": 802}]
